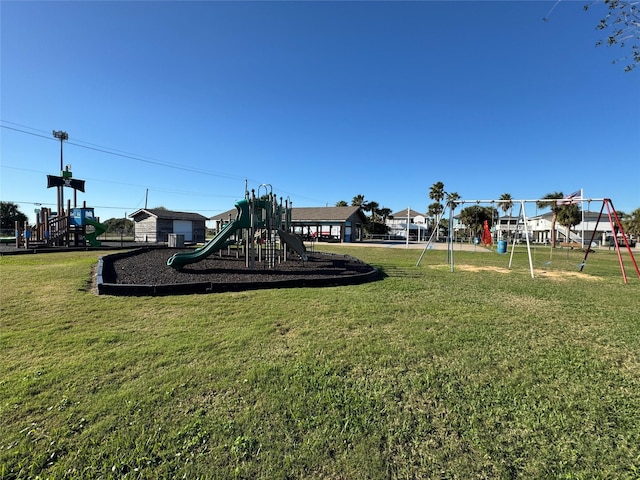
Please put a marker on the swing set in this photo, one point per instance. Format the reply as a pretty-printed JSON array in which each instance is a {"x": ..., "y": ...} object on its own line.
[{"x": 523, "y": 230}]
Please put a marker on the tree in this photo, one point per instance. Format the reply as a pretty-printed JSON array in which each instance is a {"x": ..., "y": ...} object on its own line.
[
  {"x": 9, "y": 215},
  {"x": 452, "y": 197},
  {"x": 120, "y": 224},
  {"x": 372, "y": 207},
  {"x": 341, "y": 203},
  {"x": 358, "y": 201},
  {"x": 507, "y": 202},
  {"x": 436, "y": 192},
  {"x": 473, "y": 218},
  {"x": 550, "y": 200},
  {"x": 506, "y": 206},
  {"x": 385, "y": 213},
  {"x": 377, "y": 220},
  {"x": 380, "y": 226},
  {"x": 622, "y": 25},
  {"x": 631, "y": 223},
  {"x": 434, "y": 211},
  {"x": 569, "y": 216},
  {"x": 374, "y": 225}
]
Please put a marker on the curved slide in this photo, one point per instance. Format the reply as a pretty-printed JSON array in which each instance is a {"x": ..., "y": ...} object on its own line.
[
  {"x": 98, "y": 229},
  {"x": 243, "y": 220}
]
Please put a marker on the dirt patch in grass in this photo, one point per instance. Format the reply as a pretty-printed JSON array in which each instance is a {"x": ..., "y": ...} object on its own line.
[
  {"x": 474, "y": 268},
  {"x": 563, "y": 275},
  {"x": 559, "y": 275}
]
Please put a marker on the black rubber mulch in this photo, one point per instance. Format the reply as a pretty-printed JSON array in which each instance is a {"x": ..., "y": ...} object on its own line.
[{"x": 145, "y": 272}]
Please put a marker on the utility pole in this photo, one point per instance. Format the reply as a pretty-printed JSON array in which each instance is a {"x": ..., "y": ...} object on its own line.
[{"x": 62, "y": 136}]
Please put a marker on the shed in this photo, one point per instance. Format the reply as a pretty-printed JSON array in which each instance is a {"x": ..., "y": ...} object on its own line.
[{"x": 154, "y": 225}]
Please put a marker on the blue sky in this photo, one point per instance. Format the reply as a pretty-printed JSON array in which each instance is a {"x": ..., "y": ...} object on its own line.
[{"x": 322, "y": 100}]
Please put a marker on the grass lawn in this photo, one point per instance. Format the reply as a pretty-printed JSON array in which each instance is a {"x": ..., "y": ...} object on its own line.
[{"x": 480, "y": 373}]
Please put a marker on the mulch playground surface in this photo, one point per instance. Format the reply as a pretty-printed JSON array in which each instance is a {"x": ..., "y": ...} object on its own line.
[{"x": 145, "y": 272}]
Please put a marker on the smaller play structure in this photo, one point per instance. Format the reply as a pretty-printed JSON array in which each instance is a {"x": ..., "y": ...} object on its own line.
[
  {"x": 72, "y": 229},
  {"x": 262, "y": 229},
  {"x": 68, "y": 227}
]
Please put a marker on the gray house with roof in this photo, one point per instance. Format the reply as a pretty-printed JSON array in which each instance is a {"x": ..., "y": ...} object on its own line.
[{"x": 154, "y": 225}]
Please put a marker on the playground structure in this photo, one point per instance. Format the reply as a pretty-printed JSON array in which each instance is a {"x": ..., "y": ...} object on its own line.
[
  {"x": 68, "y": 227},
  {"x": 262, "y": 229},
  {"x": 66, "y": 230},
  {"x": 523, "y": 232}
]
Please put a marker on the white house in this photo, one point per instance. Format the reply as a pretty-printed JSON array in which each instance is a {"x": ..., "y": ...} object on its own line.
[{"x": 417, "y": 225}]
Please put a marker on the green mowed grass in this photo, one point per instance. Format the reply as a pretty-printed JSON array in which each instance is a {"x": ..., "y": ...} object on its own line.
[{"x": 479, "y": 373}]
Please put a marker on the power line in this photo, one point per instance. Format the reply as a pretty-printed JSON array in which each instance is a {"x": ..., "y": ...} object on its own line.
[
  {"x": 139, "y": 158},
  {"x": 119, "y": 183},
  {"x": 106, "y": 207},
  {"x": 122, "y": 154}
]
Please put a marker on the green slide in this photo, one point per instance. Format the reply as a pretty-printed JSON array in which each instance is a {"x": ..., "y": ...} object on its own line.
[
  {"x": 295, "y": 242},
  {"x": 98, "y": 229},
  {"x": 243, "y": 220}
]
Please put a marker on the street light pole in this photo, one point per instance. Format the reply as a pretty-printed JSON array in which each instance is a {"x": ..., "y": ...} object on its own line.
[{"x": 62, "y": 136}]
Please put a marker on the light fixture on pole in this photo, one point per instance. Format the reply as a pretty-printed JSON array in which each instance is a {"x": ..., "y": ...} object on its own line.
[{"x": 62, "y": 136}]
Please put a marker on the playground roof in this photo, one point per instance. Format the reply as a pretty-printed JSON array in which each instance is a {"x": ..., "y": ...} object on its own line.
[
  {"x": 309, "y": 214},
  {"x": 318, "y": 214},
  {"x": 167, "y": 214}
]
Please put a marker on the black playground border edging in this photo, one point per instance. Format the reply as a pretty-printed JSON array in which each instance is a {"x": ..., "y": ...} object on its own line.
[{"x": 117, "y": 289}]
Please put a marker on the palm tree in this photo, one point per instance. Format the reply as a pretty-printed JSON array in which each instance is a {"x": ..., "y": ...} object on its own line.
[
  {"x": 341, "y": 203},
  {"x": 358, "y": 201},
  {"x": 507, "y": 202},
  {"x": 631, "y": 222},
  {"x": 452, "y": 197},
  {"x": 569, "y": 216},
  {"x": 436, "y": 192},
  {"x": 451, "y": 202},
  {"x": 505, "y": 206},
  {"x": 373, "y": 208},
  {"x": 551, "y": 200},
  {"x": 435, "y": 210},
  {"x": 385, "y": 213}
]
